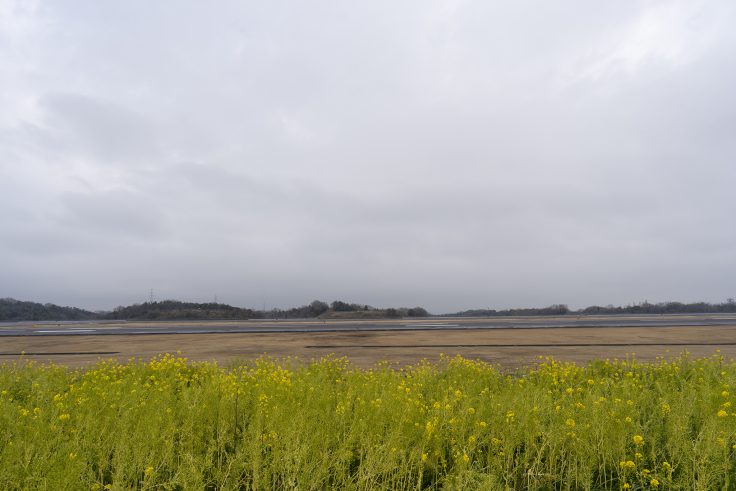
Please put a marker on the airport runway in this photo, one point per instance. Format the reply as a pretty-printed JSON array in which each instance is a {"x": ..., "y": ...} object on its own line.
[
  {"x": 334, "y": 325},
  {"x": 507, "y": 341}
]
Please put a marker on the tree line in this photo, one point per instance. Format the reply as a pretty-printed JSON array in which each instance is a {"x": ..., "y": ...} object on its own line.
[
  {"x": 17, "y": 310},
  {"x": 642, "y": 308}
]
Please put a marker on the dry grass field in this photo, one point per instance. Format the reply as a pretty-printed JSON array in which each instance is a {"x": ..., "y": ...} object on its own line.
[{"x": 507, "y": 347}]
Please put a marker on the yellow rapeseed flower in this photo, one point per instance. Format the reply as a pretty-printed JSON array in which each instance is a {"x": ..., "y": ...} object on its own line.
[
  {"x": 570, "y": 423},
  {"x": 654, "y": 483},
  {"x": 638, "y": 440},
  {"x": 722, "y": 413}
]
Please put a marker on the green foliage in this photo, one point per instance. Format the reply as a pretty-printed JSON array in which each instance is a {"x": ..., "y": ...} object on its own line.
[
  {"x": 15, "y": 310},
  {"x": 458, "y": 424},
  {"x": 340, "y": 306},
  {"x": 643, "y": 308},
  {"x": 417, "y": 312},
  {"x": 176, "y": 310}
]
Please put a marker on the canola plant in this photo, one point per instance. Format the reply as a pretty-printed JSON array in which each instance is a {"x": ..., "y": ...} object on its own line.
[{"x": 284, "y": 424}]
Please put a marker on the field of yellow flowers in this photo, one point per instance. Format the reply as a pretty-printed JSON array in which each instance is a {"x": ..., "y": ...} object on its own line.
[{"x": 457, "y": 424}]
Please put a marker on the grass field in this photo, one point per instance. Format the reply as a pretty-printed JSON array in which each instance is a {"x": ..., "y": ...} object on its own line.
[{"x": 456, "y": 424}]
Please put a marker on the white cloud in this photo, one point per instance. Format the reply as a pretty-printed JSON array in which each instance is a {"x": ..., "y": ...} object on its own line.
[{"x": 669, "y": 34}]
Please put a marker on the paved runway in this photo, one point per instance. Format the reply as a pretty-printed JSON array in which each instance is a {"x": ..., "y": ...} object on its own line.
[{"x": 334, "y": 325}]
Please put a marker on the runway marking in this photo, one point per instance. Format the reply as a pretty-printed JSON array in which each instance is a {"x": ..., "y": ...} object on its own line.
[
  {"x": 68, "y": 331},
  {"x": 557, "y": 345},
  {"x": 431, "y": 325},
  {"x": 38, "y": 353}
]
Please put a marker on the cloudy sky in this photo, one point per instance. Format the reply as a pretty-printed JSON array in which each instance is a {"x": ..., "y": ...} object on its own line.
[{"x": 448, "y": 154}]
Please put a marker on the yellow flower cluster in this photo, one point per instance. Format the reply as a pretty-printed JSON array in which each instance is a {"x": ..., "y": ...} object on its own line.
[{"x": 167, "y": 423}]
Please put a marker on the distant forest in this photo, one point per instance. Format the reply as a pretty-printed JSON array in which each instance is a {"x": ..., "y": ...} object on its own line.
[
  {"x": 642, "y": 308},
  {"x": 16, "y": 310}
]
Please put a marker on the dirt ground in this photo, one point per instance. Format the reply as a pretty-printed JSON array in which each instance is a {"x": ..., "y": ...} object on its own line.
[{"x": 510, "y": 348}]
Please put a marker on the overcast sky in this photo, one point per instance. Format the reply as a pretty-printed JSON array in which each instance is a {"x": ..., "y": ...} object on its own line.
[{"x": 447, "y": 154}]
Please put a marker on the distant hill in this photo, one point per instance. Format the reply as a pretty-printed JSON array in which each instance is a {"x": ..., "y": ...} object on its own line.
[
  {"x": 343, "y": 310},
  {"x": 375, "y": 313},
  {"x": 560, "y": 309},
  {"x": 176, "y": 310},
  {"x": 17, "y": 310},
  {"x": 642, "y": 308}
]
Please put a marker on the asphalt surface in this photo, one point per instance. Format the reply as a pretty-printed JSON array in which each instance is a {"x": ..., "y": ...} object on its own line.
[{"x": 312, "y": 326}]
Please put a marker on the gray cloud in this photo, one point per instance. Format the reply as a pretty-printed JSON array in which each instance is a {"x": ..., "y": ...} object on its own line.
[
  {"x": 448, "y": 154},
  {"x": 99, "y": 130}
]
